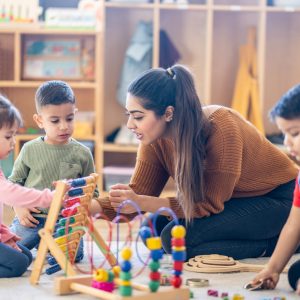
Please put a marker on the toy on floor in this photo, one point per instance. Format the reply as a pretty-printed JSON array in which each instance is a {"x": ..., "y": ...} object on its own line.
[
  {"x": 100, "y": 285},
  {"x": 75, "y": 196},
  {"x": 216, "y": 263}
]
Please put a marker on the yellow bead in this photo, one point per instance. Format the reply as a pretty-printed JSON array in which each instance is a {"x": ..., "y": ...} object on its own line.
[
  {"x": 125, "y": 283},
  {"x": 126, "y": 253},
  {"x": 178, "y": 231},
  {"x": 178, "y": 248},
  {"x": 116, "y": 270},
  {"x": 101, "y": 275},
  {"x": 154, "y": 243}
]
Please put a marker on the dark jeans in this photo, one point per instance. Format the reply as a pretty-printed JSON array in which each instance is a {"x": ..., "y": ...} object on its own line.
[
  {"x": 13, "y": 263},
  {"x": 246, "y": 228}
]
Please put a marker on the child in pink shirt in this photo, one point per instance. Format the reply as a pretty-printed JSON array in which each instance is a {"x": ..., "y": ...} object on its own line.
[{"x": 14, "y": 258}]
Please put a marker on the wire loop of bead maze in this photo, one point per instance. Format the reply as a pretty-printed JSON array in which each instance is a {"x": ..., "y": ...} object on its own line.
[
  {"x": 82, "y": 189},
  {"x": 84, "y": 283}
]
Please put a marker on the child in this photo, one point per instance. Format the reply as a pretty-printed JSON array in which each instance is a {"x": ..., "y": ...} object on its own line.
[
  {"x": 14, "y": 258},
  {"x": 286, "y": 114},
  {"x": 59, "y": 157}
]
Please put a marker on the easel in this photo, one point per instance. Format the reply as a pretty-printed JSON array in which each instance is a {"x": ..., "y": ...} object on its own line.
[
  {"x": 49, "y": 243},
  {"x": 246, "y": 94}
]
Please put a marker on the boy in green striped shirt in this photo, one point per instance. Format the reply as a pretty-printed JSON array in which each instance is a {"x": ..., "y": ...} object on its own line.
[{"x": 49, "y": 158}]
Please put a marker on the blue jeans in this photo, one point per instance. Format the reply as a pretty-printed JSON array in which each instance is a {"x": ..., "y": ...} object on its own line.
[
  {"x": 246, "y": 228},
  {"x": 31, "y": 239},
  {"x": 13, "y": 263}
]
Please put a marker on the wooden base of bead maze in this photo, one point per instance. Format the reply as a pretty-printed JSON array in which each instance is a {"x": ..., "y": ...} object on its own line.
[
  {"x": 216, "y": 263},
  {"x": 48, "y": 242},
  {"x": 82, "y": 284}
]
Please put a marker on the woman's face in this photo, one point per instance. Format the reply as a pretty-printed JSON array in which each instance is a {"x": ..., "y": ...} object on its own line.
[
  {"x": 144, "y": 123},
  {"x": 291, "y": 131}
]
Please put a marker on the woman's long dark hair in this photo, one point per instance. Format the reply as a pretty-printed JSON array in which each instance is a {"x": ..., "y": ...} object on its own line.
[{"x": 159, "y": 88}]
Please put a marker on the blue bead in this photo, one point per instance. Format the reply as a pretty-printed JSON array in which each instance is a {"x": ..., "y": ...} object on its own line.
[
  {"x": 125, "y": 266},
  {"x": 176, "y": 273},
  {"x": 53, "y": 269},
  {"x": 78, "y": 182},
  {"x": 145, "y": 232},
  {"x": 179, "y": 255},
  {"x": 75, "y": 192},
  {"x": 156, "y": 254}
]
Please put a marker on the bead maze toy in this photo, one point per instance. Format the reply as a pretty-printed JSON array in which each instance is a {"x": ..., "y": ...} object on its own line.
[
  {"x": 75, "y": 196},
  {"x": 104, "y": 283}
]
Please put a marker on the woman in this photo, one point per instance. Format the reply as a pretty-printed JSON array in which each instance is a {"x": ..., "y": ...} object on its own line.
[{"x": 234, "y": 188}]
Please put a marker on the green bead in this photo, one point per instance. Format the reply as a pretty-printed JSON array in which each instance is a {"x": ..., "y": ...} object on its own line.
[
  {"x": 154, "y": 285},
  {"x": 111, "y": 276},
  {"x": 125, "y": 290},
  {"x": 154, "y": 265},
  {"x": 125, "y": 276}
]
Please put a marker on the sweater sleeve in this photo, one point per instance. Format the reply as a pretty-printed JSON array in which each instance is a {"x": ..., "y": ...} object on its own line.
[
  {"x": 14, "y": 194},
  {"x": 5, "y": 234},
  {"x": 20, "y": 169},
  {"x": 150, "y": 175}
]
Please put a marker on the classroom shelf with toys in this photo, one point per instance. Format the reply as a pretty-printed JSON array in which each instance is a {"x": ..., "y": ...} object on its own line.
[
  {"x": 31, "y": 54},
  {"x": 207, "y": 34}
]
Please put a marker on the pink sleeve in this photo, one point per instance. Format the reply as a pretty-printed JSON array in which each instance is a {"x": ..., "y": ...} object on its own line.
[
  {"x": 14, "y": 194},
  {"x": 5, "y": 234}
]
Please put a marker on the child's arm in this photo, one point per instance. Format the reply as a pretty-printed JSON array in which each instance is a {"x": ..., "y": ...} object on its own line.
[
  {"x": 20, "y": 170},
  {"x": 14, "y": 194},
  {"x": 285, "y": 248}
]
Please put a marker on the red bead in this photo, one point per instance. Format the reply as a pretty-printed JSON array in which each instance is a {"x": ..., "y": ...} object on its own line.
[
  {"x": 176, "y": 242},
  {"x": 155, "y": 276},
  {"x": 176, "y": 281},
  {"x": 178, "y": 265}
]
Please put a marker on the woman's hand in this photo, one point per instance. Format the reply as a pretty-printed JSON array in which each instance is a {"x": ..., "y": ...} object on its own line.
[
  {"x": 268, "y": 277},
  {"x": 120, "y": 193},
  {"x": 25, "y": 217}
]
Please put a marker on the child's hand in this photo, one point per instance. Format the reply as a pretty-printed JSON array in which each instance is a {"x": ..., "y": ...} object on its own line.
[
  {"x": 12, "y": 243},
  {"x": 25, "y": 217},
  {"x": 268, "y": 277}
]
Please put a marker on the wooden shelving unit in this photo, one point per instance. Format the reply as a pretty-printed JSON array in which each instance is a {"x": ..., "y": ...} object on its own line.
[{"x": 207, "y": 34}]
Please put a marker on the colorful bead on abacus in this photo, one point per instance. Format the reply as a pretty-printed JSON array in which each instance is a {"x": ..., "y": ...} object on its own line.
[
  {"x": 125, "y": 288},
  {"x": 178, "y": 254},
  {"x": 103, "y": 280}
]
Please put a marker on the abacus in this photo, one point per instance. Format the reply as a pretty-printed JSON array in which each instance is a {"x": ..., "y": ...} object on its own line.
[{"x": 75, "y": 196}]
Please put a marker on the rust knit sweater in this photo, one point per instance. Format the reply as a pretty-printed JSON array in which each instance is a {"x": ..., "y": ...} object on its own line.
[{"x": 240, "y": 162}]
